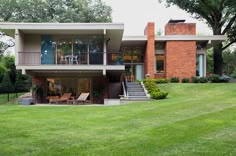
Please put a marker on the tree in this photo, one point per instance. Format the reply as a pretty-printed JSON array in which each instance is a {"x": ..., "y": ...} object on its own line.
[
  {"x": 229, "y": 58},
  {"x": 220, "y": 15},
  {"x": 55, "y": 11},
  {"x": 6, "y": 85},
  {"x": 5, "y": 43}
]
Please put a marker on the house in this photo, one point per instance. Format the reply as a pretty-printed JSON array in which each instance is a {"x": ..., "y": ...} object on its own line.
[{"x": 96, "y": 57}]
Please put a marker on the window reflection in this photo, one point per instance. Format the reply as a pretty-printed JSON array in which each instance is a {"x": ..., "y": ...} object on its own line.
[
  {"x": 160, "y": 61},
  {"x": 84, "y": 49}
]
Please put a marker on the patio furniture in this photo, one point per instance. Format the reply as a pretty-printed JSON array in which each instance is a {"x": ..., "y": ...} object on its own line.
[
  {"x": 74, "y": 59},
  {"x": 64, "y": 98},
  {"x": 82, "y": 98},
  {"x": 51, "y": 98}
]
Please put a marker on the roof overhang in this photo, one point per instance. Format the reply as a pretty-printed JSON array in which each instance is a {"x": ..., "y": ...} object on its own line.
[
  {"x": 217, "y": 38},
  {"x": 134, "y": 41},
  {"x": 112, "y": 31}
]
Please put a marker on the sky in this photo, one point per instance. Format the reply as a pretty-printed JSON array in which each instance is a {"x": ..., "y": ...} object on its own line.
[{"x": 136, "y": 13}]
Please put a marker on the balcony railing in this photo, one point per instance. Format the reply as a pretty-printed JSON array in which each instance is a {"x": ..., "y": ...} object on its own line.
[{"x": 96, "y": 58}]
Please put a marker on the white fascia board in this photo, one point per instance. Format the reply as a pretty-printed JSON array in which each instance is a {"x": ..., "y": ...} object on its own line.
[
  {"x": 73, "y": 67},
  {"x": 190, "y": 38},
  {"x": 61, "y": 26},
  {"x": 134, "y": 38}
]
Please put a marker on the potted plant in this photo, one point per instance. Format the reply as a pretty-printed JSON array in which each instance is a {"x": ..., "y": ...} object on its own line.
[{"x": 119, "y": 60}]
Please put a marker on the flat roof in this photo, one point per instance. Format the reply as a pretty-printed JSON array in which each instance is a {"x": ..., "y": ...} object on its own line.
[
  {"x": 191, "y": 38},
  {"x": 112, "y": 31},
  {"x": 61, "y": 26}
]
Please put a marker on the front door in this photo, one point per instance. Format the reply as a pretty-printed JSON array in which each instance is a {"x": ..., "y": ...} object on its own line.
[{"x": 134, "y": 72}]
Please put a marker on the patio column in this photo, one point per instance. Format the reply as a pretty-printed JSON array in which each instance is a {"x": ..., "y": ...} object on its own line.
[{"x": 104, "y": 48}]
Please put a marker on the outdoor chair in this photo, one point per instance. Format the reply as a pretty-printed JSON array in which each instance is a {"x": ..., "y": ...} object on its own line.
[
  {"x": 82, "y": 98},
  {"x": 64, "y": 98}
]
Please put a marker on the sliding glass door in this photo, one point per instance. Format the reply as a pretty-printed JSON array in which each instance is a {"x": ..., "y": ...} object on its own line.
[{"x": 84, "y": 49}]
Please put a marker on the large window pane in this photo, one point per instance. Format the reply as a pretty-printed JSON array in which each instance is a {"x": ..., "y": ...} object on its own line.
[
  {"x": 96, "y": 50},
  {"x": 47, "y": 50},
  {"x": 64, "y": 51},
  {"x": 160, "y": 61},
  {"x": 200, "y": 65}
]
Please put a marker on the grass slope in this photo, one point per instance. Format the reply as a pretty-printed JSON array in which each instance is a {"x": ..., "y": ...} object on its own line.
[
  {"x": 196, "y": 119},
  {"x": 4, "y": 98}
]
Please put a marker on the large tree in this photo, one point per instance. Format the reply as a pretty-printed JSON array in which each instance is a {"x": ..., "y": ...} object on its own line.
[
  {"x": 55, "y": 11},
  {"x": 5, "y": 43},
  {"x": 220, "y": 15}
]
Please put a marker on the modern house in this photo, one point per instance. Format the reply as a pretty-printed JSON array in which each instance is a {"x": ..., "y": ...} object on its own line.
[{"x": 96, "y": 57}]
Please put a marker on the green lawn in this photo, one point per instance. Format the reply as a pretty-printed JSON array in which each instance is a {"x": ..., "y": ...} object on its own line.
[
  {"x": 196, "y": 119},
  {"x": 4, "y": 98}
]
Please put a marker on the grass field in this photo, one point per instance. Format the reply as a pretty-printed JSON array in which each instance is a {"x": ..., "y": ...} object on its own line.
[
  {"x": 4, "y": 99},
  {"x": 196, "y": 119}
]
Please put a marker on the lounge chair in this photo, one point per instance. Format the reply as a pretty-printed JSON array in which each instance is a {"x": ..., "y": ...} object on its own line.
[
  {"x": 64, "y": 98},
  {"x": 82, "y": 98}
]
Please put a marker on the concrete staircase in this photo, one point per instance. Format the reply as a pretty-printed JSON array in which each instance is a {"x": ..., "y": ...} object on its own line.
[{"x": 135, "y": 91}]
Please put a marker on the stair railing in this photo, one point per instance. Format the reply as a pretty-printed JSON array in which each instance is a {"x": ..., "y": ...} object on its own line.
[{"x": 124, "y": 86}]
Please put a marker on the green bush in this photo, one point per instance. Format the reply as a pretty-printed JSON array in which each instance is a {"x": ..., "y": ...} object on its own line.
[
  {"x": 153, "y": 90},
  {"x": 158, "y": 80},
  {"x": 214, "y": 78},
  {"x": 185, "y": 80},
  {"x": 161, "y": 80},
  {"x": 195, "y": 79},
  {"x": 234, "y": 73},
  {"x": 159, "y": 95},
  {"x": 174, "y": 80},
  {"x": 203, "y": 79}
]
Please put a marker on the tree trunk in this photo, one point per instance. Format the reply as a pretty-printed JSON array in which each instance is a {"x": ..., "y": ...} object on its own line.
[
  {"x": 218, "y": 59},
  {"x": 8, "y": 98}
]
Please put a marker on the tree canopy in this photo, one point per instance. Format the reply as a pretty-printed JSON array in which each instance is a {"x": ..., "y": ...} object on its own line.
[
  {"x": 220, "y": 15},
  {"x": 55, "y": 11}
]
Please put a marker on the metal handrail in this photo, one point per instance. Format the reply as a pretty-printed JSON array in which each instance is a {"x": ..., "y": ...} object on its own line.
[
  {"x": 124, "y": 85},
  {"x": 112, "y": 58}
]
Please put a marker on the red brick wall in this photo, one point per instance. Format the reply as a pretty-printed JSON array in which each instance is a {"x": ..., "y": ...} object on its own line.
[
  {"x": 180, "y": 55},
  {"x": 41, "y": 81},
  {"x": 180, "y": 59},
  {"x": 180, "y": 29},
  {"x": 149, "y": 58}
]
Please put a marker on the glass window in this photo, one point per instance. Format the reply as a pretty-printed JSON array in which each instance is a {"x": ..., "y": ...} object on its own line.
[
  {"x": 200, "y": 65},
  {"x": 159, "y": 45},
  {"x": 64, "y": 50},
  {"x": 96, "y": 50},
  {"x": 59, "y": 86},
  {"x": 160, "y": 61},
  {"x": 133, "y": 55},
  {"x": 47, "y": 50}
]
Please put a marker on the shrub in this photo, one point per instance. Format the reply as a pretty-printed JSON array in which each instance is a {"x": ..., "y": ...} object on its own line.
[
  {"x": 234, "y": 73},
  {"x": 185, "y": 80},
  {"x": 159, "y": 95},
  {"x": 174, "y": 80},
  {"x": 153, "y": 90},
  {"x": 195, "y": 79},
  {"x": 214, "y": 78},
  {"x": 203, "y": 79},
  {"x": 224, "y": 78},
  {"x": 161, "y": 80}
]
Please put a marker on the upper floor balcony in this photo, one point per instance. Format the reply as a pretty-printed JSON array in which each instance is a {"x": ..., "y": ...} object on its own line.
[{"x": 69, "y": 59}]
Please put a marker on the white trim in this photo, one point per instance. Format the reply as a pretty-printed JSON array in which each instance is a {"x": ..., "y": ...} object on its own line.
[
  {"x": 61, "y": 26},
  {"x": 134, "y": 38},
  {"x": 191, "y": 38},
  {"x": 73, "y": 67}
]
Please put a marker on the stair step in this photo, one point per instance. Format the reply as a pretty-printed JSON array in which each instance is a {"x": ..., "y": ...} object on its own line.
[
  {"x": 136, "y": 94},
  {"x": 134, "y": 87},
  {"x": 135, "y": 90}
]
